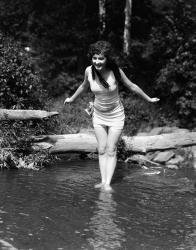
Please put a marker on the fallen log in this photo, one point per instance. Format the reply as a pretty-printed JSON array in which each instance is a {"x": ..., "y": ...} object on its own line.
[
  {"x": 66, "y": 143},
  {"x": 159, "y": 142},
  {"x": 20, "y": 114},
  {"x": 87, "y": 142}
]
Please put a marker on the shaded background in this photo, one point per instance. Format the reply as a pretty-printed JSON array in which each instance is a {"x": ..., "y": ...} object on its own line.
[{"x": 56, "y": 35}]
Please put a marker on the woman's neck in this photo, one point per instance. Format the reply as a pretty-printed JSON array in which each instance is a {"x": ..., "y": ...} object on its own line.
[{"x": 104, "y": 71}]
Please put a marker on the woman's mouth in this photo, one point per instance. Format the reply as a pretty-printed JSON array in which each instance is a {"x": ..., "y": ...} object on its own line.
[{"x": 98, "y": 66}]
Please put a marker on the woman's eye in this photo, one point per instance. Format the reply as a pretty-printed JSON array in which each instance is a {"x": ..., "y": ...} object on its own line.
[{"x": 100, "y": 59}]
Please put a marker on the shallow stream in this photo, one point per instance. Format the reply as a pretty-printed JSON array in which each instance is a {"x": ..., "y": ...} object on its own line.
[{"x": 58, "y": 208}]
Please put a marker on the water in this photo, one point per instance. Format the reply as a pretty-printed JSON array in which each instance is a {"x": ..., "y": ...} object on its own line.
[{"x": 58, "y": 208}]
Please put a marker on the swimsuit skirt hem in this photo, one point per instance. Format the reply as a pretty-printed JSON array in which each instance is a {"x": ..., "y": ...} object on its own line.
[{"x": 114, "y": 118}]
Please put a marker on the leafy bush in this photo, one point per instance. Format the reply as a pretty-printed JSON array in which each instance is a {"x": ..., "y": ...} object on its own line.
[
  {"x": 64, "y": 83},
  {"x": 16, "y": 148},
  {"x": 173, "y": 49},
  {"x": 20, "y": 83},
  {"x": 20, "y": 88},
  {"x": 177, "y": 82},
  {"x": 136, "y": 114}
]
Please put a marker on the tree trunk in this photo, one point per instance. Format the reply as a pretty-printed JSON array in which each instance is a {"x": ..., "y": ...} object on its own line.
[
  {"x": 102, "y": 16},
  {"x": 87, "y": 142},
  {"x": 12, "y": 114},
  {"x": 127, "y": 27}
]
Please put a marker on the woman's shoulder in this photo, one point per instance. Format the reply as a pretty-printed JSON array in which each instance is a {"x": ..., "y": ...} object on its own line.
[
  {"x": 88, "y": 73},
  {"x": 88, "y": 70}
]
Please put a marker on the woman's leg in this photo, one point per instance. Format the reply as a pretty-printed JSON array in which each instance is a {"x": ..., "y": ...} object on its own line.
[
  {"x": 112, "y": 141},
  {"x": 101, "y": 135}
]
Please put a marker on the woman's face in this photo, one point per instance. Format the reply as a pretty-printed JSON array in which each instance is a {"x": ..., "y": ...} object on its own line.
[{"x": 99, "y": 61}]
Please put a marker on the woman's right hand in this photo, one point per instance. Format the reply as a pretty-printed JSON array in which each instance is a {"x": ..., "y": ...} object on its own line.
[{"x": 68, "y": 100}]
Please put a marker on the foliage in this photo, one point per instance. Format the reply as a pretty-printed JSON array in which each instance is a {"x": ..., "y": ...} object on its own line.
[
  {"x": 135, "y": 115},
  {"x": 174, "y": 48},
  {"x": 20, "y": 88},
  {"x": 16, "y": 144},
  {"x": 59, "y": 32},
  {"x": 15, "y": 16},
  {"x": 64, "y": 83},
  {"x": 72, "y": 117},
  {"x": 142, "y": 116},
  {"x": 20, "y": 84},
  {"x": 163, "y": 62}
]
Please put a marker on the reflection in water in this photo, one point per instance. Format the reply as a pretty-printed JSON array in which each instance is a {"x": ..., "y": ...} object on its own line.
[
  {"x": 6, "y": 246},
  {"x": 103, "y": 224},
  {"x": 189, "y": 229},
  {"x": 58, "y": 208}
]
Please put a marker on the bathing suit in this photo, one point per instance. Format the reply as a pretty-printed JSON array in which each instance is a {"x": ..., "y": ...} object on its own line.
[{"x": 108, "y": 109}]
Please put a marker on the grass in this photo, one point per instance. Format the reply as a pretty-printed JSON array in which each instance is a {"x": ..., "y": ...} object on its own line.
[
  {"x": 72, "y": 117},
  {"x": 141, "y": 116}
]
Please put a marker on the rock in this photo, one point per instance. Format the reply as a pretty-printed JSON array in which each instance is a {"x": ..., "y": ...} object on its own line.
[
  {"x": 193, "y": 149},
  {"x": 163, "y": 157},
  {"x": 176, "y": 161},
  {"x": 144, "y": 128},
  {"x": 141, "y": 160},
  {"x": 152, "y": 172},
  {"x": 181, "y": 130},
  {"x": 136, "y": 158},
  {"x": 10, "y": 162},
  {"x": 194, "y": 156},
  {"x": 167, "y": 130},
  {"x": 170, "y": 166},
  {"x": 92, "y": 156},
  {"x": 41, "y": 145},
  {"x": 175, "y": 130},
  {"x": 142, "y": 134},
  {"x": 156, "y": 131},
  {"x": 151, "y": 155}
]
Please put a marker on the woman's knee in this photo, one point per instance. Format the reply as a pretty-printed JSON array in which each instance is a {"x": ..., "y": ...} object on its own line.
[
  {"x": 111, "y": 151},
  {"x": 102, "y": 150}
]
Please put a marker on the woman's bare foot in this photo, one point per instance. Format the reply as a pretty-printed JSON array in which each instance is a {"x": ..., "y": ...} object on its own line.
[
  {"x": 99, "y": 185},
  {"x": 108, "y": 188}
]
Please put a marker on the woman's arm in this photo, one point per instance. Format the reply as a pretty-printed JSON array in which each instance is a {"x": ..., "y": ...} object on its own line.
[
  {"x": 80, "y": 89},
  {"x": 136, "y": 89}
]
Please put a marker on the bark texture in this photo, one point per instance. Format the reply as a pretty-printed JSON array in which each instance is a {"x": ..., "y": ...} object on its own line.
[
  {"x": 127, "y": 27},
  {"x": 8, "y": 114},
  {"x": 102, "y": 16},
  {"x": 87, "y": 142}
]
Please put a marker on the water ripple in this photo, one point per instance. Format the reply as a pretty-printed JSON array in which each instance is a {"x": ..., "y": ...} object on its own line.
[{"x": 58, "y": 208}]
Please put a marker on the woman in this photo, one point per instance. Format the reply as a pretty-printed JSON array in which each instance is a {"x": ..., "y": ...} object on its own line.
[{"x": 103, "y": 77}]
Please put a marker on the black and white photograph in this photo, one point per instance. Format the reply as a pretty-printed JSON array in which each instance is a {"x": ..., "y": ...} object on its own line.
[{"x": 97, "y": 125}]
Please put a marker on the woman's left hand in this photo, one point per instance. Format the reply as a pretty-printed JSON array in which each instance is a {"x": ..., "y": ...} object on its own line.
[{"x": 154, "y": 99}]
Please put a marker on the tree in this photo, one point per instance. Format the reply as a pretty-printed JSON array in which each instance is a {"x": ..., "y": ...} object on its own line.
[
  {"x": 127, "y": 27},
  {"x": 102, "y": 16},
  {"x": 20, "y": 85}
]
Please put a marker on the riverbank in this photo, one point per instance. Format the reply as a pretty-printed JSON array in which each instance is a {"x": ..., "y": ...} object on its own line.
[
  {"x": 169, "y": 146},
  {"x": 142, "y": 119}
]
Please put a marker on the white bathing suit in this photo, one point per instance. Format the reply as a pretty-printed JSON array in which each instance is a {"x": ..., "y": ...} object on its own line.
[{"x": 108, "y": 109}]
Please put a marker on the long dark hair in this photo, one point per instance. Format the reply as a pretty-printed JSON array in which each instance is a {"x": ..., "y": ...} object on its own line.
[{"x": 104, "y": 48}]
